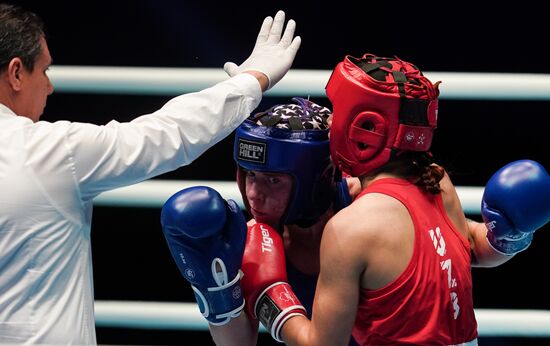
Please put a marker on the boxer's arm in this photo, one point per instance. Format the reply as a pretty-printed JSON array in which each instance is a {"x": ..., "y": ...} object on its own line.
[
  {"x": 483, "y": 255},
  {"x": 475, "y": 232},
  {"x": 240, "y": 331},
  {"x": 337, "y": 292}
]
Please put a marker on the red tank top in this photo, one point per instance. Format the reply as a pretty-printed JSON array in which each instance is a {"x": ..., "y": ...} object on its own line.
[{"x": 431, "y": 302}]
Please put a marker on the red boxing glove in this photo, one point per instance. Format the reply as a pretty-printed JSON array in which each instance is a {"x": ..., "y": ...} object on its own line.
[{"x": 267, "y": 293}]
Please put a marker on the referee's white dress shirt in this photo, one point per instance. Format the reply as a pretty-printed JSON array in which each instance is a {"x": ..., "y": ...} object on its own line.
[{"x": 49, "y": 175}]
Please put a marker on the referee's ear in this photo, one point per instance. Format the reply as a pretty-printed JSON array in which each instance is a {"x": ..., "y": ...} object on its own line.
[{"x": 14, "y": 73}]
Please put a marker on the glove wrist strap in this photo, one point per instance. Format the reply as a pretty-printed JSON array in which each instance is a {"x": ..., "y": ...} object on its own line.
[
  {"x": 275, "y": 305},
  {"x": 502, "y": 234},
  {"x": 221, "y": 303},
  {"x": 509, "y": 247}
]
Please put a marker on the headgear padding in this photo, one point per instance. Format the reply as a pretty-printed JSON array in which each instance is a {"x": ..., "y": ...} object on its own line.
[
  {"x": 291, "y": 139},
  {"x": 381, "y": 106}
]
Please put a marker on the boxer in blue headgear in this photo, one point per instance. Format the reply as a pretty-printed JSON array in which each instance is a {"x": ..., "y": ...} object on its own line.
[
  {"x": 292, "y": 139},
  {"x": 288, "y": 183}
]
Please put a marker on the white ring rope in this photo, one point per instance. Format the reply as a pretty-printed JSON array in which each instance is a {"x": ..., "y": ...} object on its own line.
[
  {"x": 174, "y": 81},
  {"x": 153, "y": 194},
  {"x": 186, "y": 316}
]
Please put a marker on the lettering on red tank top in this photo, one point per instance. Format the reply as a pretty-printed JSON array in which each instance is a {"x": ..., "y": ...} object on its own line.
[{"x": 446, "y": 265}]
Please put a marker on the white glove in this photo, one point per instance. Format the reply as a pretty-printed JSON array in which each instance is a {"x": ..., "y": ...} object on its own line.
[{"x": 272, "y": 55}]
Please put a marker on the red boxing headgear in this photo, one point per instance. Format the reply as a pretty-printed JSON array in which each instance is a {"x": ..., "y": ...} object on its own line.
[{"x": 381, "y": 106}]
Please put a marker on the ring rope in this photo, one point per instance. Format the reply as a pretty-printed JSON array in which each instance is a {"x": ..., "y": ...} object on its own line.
[
  {"x": 153, "y": 194},
  {"x": 186, "y": 316},
  {"x": 174, "y": 81}
]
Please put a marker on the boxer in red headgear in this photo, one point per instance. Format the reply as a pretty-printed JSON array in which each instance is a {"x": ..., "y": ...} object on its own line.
[
  {"x": 396, "y": 263},
  {"x": 382, "y": 107}
]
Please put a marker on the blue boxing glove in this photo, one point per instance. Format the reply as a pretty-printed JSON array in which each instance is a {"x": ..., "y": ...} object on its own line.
[
  {"x": 515, "y": 203},
  {"x": 206, "y": 236}
]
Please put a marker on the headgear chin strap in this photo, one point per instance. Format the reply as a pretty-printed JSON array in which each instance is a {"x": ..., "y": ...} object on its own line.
[
  {"x": 381, "y": 106},
  {"x": 292, "y": 139}
]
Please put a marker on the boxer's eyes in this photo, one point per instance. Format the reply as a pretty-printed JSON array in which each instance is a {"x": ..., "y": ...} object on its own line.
[{"x": 274, "y": 180}]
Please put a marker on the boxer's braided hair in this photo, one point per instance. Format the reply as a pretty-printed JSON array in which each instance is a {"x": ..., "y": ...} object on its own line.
[{"x": 417, "y": 167}]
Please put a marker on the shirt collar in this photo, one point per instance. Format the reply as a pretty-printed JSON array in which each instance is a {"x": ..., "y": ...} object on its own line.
[{"x": 5, "y": 111}]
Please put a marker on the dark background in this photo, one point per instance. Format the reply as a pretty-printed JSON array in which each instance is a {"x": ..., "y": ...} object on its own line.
[{"x": 474, "y": 138}]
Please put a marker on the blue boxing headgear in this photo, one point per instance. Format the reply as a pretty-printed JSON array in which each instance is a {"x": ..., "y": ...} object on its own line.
[{"x": 291, "y": 139}]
